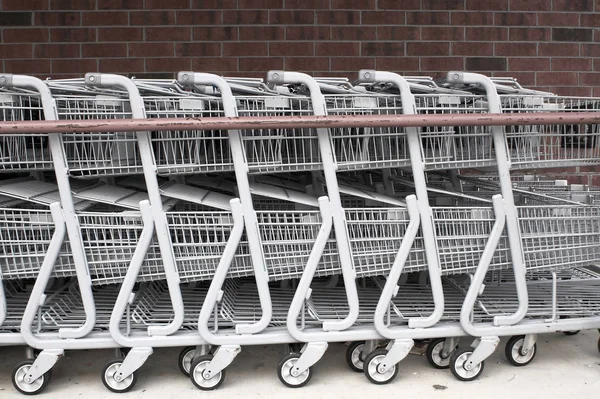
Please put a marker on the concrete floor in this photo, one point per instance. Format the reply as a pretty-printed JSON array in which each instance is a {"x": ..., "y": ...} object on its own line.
[{"x": 565, "y": 366}]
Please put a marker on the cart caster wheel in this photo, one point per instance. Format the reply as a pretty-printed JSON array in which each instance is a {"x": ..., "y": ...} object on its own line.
[
  {"x": 457, "y": 365},
  {"x": 435, "y": 355},
  {"x": 574, "y": 332},
  {"x": 371, "y": 368},
  {"x": 186, "y": 357},
  {"x": 284, "y": 372},
  {"x": 18, "y": 379},
  {"x": 514, "y": 354},
  {"x": 110, "y": 382},
  {"x": 197, "y": 369},
  {"x": 355, "y": 356}
]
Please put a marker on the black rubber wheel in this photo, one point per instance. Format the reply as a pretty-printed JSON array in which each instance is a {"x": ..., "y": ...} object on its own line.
[
  {"x": 186, "y": 358},
  {"x": 457, "y": 362},
  {"x": 435, "y": 355},
  {"x": 284, "y": 368},
  {"x": 18, "y": 379},
  {"x": 574, "y": 332},
  {"x": 197, "y": 374},
  {"x": 355, "y": 356},
  {"x": 371, "y": 368},
  {"x": 109, "y": 381},
  {"x": 514, "y": 354}
]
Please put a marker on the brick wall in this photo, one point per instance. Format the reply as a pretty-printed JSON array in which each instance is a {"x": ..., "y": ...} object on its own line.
[{"x": 549, "y": 44}]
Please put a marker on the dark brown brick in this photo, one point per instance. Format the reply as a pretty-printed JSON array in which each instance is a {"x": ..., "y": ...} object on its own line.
[
  {"x": 428, "y": 48},
  {"x": 307, "y": 33},
  {"x": 294, "y": 17},
  {"x": 18, "y": 5},
  {"x": 577, "y": 92},
  {"x": 78, "y": 66},
  {"x": 383, "y": 17},
  {"x": 573, "y": 5},
  {"x": 16, "y": 18},
  {"x": 305, "y": 4},
  {"x": 214, "y": 4},
  {"x": 169, "y": 5},
  {"x": 399, "y": 5},
  {"x": 153, "y": 75},
  {"x": 264, "y": 33},
  {"x": 486, "y": 34},
  {"x": 558, "y": 49},
  {"x": 120, "y": 4},
  {"x": 105, "y": 18},
  {"x": 198, "y": 49},
  {"x": 360, "y": 33},
  {"x": 442, "y": 63},
  {"x": 256, "y": 49},
  {"x": 530, "y": 5},
  {"x": 104, "y": 50},
  {"x": 306, "y": 63},
  {"x": 146, "y": 18},
  {"x": 354, "y": 4},
  {"x": 528, "y": 64},
  {"x": 572, "y": 64},
  {"x": 427, "y": 18},
  {"x": 590, "y": 50},
  {"x": 558, "y": 19},
  {"x": 515, "y": 49},
  {"x": 529, "y": 34},
  {"x": 263, "y": 64},
  {"x": 351, "y": 64},
  {"x": 443, "y": 5},
  {"x": 557, "y": 78},
  {"x": 28, "y": 67},
  {"x": 203, "y": 17},
  {"x": 168, "y": 64},
  {"x": 299, "y": 49},
  {"x": 257, "y": 4},
  {"x": 471, "y": 18},
  {"x": 443, "y": 33},
  {"x": 218, "y": 33},
  {"x": 337, "y": 49},
  {"x": 485, "y": 64},
  {"x": 400, "y": 33},
  {"x": 382, "y": 49},
  {"x": 60, "y": 35},
  {"x": 57, "y": 18},
  {"x": 398, "y": 63},
  {"x": 77, "y": 5},
  {"x": 338, "y": 17},
  {"x": 53, "y": 50},
  {"x": 468, "y": 48},
  {"x": 26, "y": 35},
  {"x": 218, "y": 65},
  {"x": 139, "y": 50},
  {"x": 523, "y": 19},
  {"x": 486, "y": 5},
  {"x": 246, "y": 17},
  {"x": 572, "y": 35},
  {"x": 120, "y": 34},
  {"x": 171, "y": 33},
  {"x": 16, "y": 50},
  {"x": 121, "y": 65}
]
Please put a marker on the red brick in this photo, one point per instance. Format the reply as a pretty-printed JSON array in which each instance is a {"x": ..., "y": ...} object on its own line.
[
  {"x": 263, "y": 33},
  {"x": 218, "y": 33},
  {"x": 558, "y": 49},
  {"x": 218, "y": 65},
  {"x": 427, "y": 18},
  {"x": 28, "y": 67},
  {"x": 485, "y": 64},
  {"x": 57, "y": 18},
  {"x": 443, "y": 33},
  {"x": 263, "y": 64},
  {"x": 515, "y": 49},
  {"x": 198, "y": 49},
  {"x": 557, "y": 78},
  {"x": 246, "y": 17},
  {"x": 442, "y": 63},
  {"x": 53, "y": 50},
  {"x": 168, "y": 5},
  {"x": 530, "y": 5},
  {"x": 443, "y": 5},
  {"x": 305, "y": 4},
  {"x": 76, "y": 5},
  {"x": 399, "y": 5},
  {"x": 590, "y": 50},
  {"x": 16, "y": 50},
  {"x": 341, "y": 49},
  {"x": 558, "y": 19},
  {"x": 591, "y": 79},
  {"x": 383, "y": 17},
  {"x": 597, "y": 64},
  {"x": 25, "y": 35},
  {"x": 339, "y": 17},
  {"x": 487, "y": 5},
  {"x": 300, "y": 49},
  {"x": 203, "y": 17},
  {"x": 295, "y": 17},
  {"x": 429, "y": 48},
  {"x": 397, "y": 64},
  {"x": 401, "y": 33},
  {"x": 105, "y": 18},
  {"x": 527, "y": 79},
  {"x": 593, "y": 169},
  {"x": 21, "y": 5},
  {"x": 151, "y": 50},
  {"x": 354, "y": 4},
  {"x": 486, "y": 34},
  {"x": 351, "y": 64},
  {"x": 254, "y": 4},
  {"x": 529, "y": 34},
  {"x": 467, "y": 48},
  {"x": 354, "y": 33},
  {"x": 306, "y": 64},
  {"x": 104, "y": 50},
  {"x": 151, "y": 18},
  {"x": 382, "y": 49},
  {"x": 214, "y": 4},
  {"x": 573, "y": 5},
  {"x": 528, "y": 64},
  {"x": 589, "y": 20},
  {"x": 60, "y": 35},
  {"x": 471, "y": 18},
  {"x": 307, "y": 33},
  {"x": 572, "y": 91},
  {"x": 515, "y": 18},
  {"x": 78, "y": 66},
  {"x": 120, "y": 4},
  {"x": 168, "y": 64},
  {"x": 121, "y": 65},
  {"x": 572, "y": 64},
  {"x": 257, "y": 49},
  {"x": 164, "y": 34},
  {"x": 120, "y": 34}
]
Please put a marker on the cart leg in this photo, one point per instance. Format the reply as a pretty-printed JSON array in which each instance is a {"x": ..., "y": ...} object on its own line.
[
  {"x": 369, "y": 347},
  {"x": 397, "y": 350},
  {"x": 135, "y": 359},
  {"x": 528, "y": 343},
  {"x": 43, "y": 363},
  {"x": 221, "y": 360},
  {"x": 449, "y": 346},
  {"x": 486, "y": 347},
  {"x": 310, "y": 355}
]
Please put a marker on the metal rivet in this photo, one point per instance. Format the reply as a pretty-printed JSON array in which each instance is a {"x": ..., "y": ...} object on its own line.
[
  {"x": 367, "y": 75},
  {"x": 455, "y": 76},
  {"x": 92, "y": 78},
  {"x": 2, "y": 79},
  {"x": 275, "y": 76}
]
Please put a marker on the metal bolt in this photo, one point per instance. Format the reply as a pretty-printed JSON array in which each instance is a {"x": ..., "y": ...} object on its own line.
[
  {"x": 367, "y": 75},
  {"x": 92, "y": 78},
  {"x": 276, "y": 76},
  {"x": 28, "y": 380},
  {"x": 185, "y": 77},
  {"x": 2, "y": 79},
  {"x": 455, "y": 76}
]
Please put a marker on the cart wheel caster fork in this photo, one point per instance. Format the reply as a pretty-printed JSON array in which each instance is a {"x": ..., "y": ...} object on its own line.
[
  {"x": 207, "y": 372},
  {"x": 467, "y": 364},
  {"x": 295, "y": 369},
  {"x": 32, "y": 376},
  {"x": 381, "y": 365}
]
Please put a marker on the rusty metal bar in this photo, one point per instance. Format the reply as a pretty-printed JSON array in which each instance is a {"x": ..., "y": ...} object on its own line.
[{"x": 305, "y": 121}]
